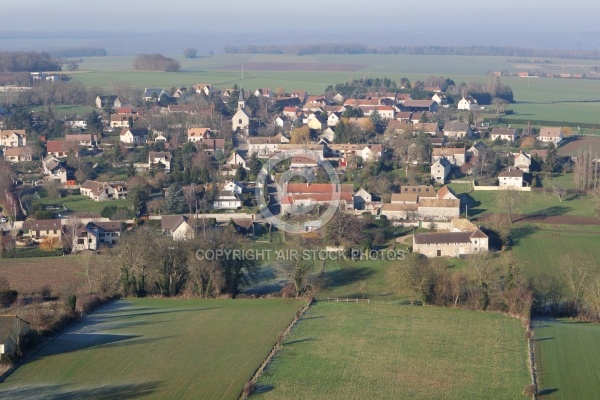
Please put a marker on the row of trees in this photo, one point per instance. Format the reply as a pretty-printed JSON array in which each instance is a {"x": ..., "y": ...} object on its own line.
[
  {"x": 150, "y": 264},
  {"x": 353, "y": 48},
  {"x": 494, "y": 283},
  {"x": 21, "y": 61}
]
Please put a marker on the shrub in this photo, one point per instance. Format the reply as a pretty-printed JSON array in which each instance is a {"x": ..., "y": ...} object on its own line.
[
  {"x": 248, "y": 389},
  {"x": 7, "y": 297},
  {"x": 89, "y": 303},
  {"x": 71, "y": 302}
]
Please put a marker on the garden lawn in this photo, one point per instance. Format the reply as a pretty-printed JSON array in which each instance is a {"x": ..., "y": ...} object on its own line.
[
  {"x": 156, "y": 349},
  {"x": 568, "y": 359},
  {"x": 80, "y": 203},
  {"x": 381, "y": 351}
]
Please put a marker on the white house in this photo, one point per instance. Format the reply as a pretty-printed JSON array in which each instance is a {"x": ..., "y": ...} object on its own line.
[
  {"x": 522, "y": 161},
  {"x": 160, "y": 157},
  {"x": 13, "y": 138},
  {"x": 467, "y": 103},
  {"x": 198, "y": 134},
  {"x": 551, "y": 134},
  {"x": 179, "y": 227},
  {"x": 440, "y": 170},
  {"x": 457, "y": 129},
  {"x": 151, "y": 94},
  {"x": 134, "y": 135},
  {"x": 101, "y": 191},
  {"x": 504, "y": 134},
  {"x": 512, "y": 177},
  {"x": 456, "y": 156}
]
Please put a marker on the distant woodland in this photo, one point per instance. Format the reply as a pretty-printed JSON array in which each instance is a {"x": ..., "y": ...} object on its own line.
[
  {"x": 20, "y": 61},
  {"x": 353, "y": 48},
  {"x": 79, "y": 52},
  {"x": 155, "y": 62}
]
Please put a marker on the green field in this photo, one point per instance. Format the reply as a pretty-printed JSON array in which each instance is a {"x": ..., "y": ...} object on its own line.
[
  {"x": 568, "y": 359},
  {"x": 535, "y": 202},
  {"x": 156, "y": 348},
  {"x": 542, "y": 251},
  {"x": 379, "y": 351},
  {"x": 80, "y": 203}
]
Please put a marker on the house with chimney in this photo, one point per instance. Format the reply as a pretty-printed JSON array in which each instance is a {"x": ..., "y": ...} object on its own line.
[
  {"x": 440, "y": 170},
  {"x": 458, "y": 129},
  {"x": 160, "y": 160},
  {"x": 456, "y": 156},
  {"x": 511, "y": 178},
  {"x": 43, "y": 228}
]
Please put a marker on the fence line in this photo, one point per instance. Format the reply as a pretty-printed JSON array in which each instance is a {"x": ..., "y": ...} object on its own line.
[
  {"x": 359, "y": 300},
  {"x": 274, "y": 350}
]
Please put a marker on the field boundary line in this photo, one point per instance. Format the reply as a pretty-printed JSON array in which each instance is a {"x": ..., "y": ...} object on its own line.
[
  {"x": 275, "y": 349},
  {"x": 531, "y": 358}
]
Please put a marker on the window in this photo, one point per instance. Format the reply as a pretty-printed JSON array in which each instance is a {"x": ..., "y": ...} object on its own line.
[{"x": 80, "y": 241}]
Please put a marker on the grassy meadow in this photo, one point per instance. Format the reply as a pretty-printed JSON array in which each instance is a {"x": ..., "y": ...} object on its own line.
[
  {"x": 568, "y": 359},
  {"x": 368, "y": 351},
  {"x": 542, "y": 251},
  {"x": 534, "y": 202},
  {"x": 156, "y": 349}
]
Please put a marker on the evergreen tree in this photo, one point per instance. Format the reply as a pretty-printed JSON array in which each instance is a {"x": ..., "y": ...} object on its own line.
[
  {"x": 174, "y": 198},
  {"x": 138, "y": 196}
]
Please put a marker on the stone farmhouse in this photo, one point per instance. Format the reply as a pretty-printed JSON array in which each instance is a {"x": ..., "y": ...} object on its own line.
[{"x": 463, "y": 238}]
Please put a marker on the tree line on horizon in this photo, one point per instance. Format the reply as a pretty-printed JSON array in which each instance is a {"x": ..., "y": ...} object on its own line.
[{"x": 355, "y": 48}]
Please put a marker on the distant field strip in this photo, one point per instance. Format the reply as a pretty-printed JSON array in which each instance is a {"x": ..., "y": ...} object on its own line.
[{"x": 284, "y": 66}]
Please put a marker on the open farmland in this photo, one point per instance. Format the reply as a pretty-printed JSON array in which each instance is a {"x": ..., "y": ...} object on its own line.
[
  {"x": 568, "y": 359},
  {"x": 156, "y": 348},
  {"x": 30, "y": 275},
  {"x": 580, "y": 144},
  {"x": 545, "y": 99},
  {"x": 379, "y": 351}
]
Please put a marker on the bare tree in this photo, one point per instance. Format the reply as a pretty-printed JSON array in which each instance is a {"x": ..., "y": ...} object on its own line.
[
  {"x": 559, "y": 191},
  {"x": 576, "y": 272},
  {"x": 297, "y": 271},
  {"x": 73, "y": 227},
  {"x": 510, "y": 201}
]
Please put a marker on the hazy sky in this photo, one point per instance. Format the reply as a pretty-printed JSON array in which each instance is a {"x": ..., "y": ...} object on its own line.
[{"x": 326, "y": 15}]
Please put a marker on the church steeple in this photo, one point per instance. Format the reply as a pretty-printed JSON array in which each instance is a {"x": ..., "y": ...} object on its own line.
[{"x": 241, "y": 101}]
